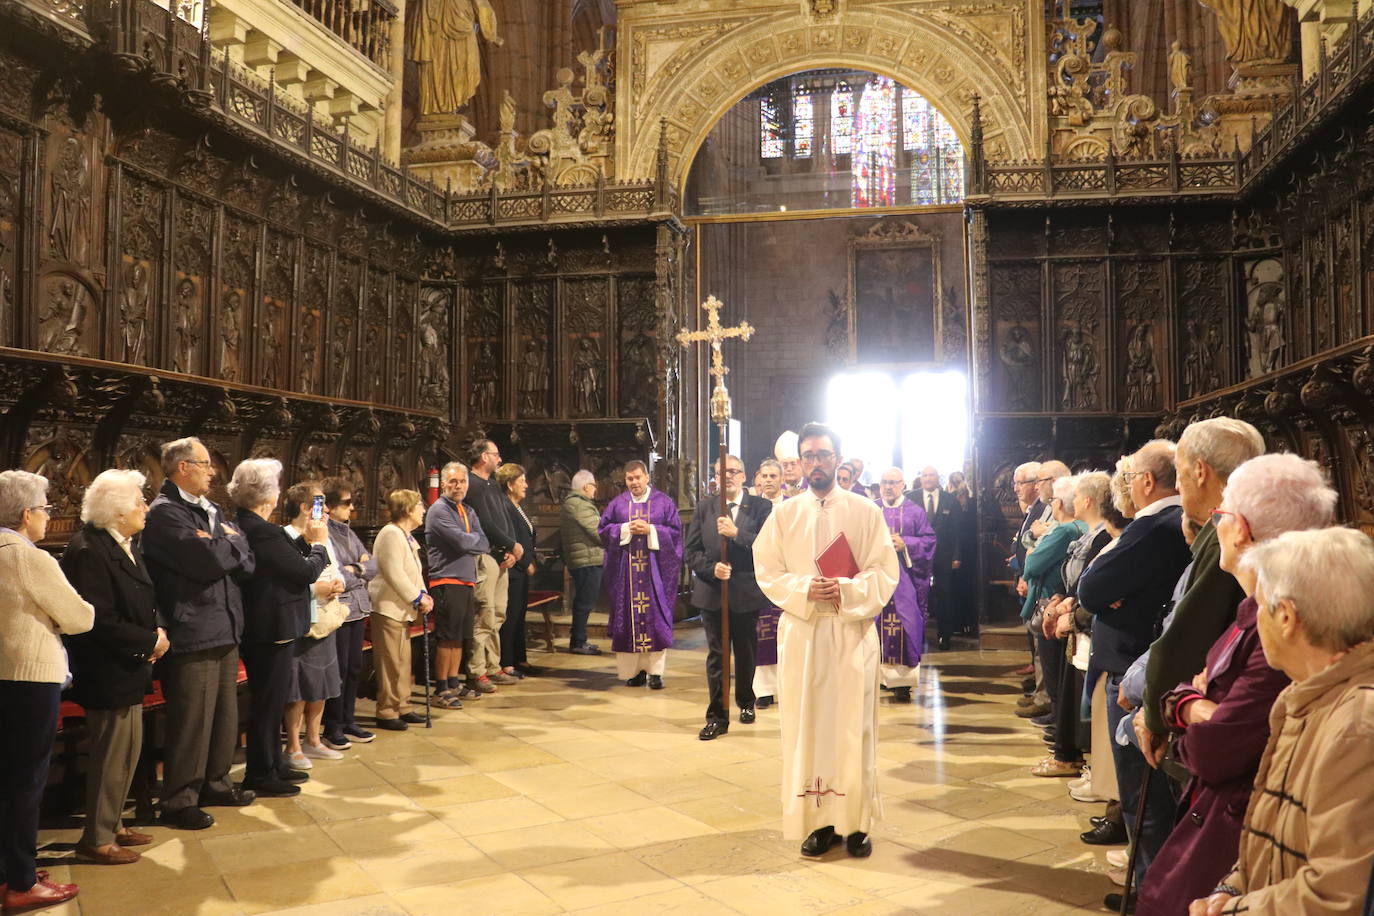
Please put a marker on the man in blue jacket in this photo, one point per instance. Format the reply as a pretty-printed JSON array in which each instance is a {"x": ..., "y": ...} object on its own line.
[
  {"x": 1128, "y": 589},
  {"x": 195, "y": 558}
]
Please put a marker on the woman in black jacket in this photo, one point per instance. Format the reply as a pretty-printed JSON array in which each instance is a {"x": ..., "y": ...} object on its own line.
[
  {"x": 276, "y": 612},
  {"x": 511, "y": 477},
  {"x": 112, "y": 663}
]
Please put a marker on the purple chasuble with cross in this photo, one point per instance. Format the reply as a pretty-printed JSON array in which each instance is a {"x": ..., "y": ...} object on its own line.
[
  {"x": 902, "y": 624},
  {"x": 641, "y": 584}
]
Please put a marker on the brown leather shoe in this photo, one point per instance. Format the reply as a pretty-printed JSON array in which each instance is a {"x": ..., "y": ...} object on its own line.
[
  {"x": 114, "y": 854},
  {"x": 43, "y": 893},
  {"x": 127, "y": 837}
]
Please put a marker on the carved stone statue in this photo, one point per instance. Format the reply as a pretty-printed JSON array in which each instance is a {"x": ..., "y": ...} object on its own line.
[
  {"x": 587, "y": 368},
  {"x": 1080, "y": 370},
  {"x": 63, "y": 322},
  {"x": 230, "y": 332},
  {"x": 534, "y": 379},
  {"x": 1255, "y": 31},
  {"x": 1142, "y": 372},
  {"x": 1018, "y": 357},
  {"x": 184, "y": 333},
  {"x": 434, "y": 377},
  {"x": 483, "y": 398},
  {"x": 442, "y": 40},
  {"x": 133, "y": 313}
]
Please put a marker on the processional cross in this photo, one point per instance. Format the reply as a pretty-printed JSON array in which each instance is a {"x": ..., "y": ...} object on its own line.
[{"x": 714, "y": 334}]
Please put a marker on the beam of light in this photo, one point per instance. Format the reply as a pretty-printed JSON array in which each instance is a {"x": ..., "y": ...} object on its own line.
[
  {"x": 861, "y": 408},
  {"x": 934, "y": 418}
]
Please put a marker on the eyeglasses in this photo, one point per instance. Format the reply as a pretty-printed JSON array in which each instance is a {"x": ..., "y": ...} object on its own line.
[
  {"x": 816, "y": 457},
  {"x": 204, "y": 462},
  {"x": 733, "y": 472},
  {"x": 47, "y": 510},
  {"x": 1128, "y": 476},
  {"x": 1218, "y": 514},
  {"x": 1042, "y": 480},
  {"x": 345, "y": 502}
]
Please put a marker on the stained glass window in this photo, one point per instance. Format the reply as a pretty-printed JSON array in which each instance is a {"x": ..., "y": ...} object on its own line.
[
  {"x": 770, "y": 129},
  {"x": 874, "y": 168},
  {"x": 936, "y": 156},
  {"x": 841, "y": 120},
  {"x": 803, "y": 122}
]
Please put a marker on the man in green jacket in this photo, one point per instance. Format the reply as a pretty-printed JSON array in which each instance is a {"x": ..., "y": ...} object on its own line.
[
  {"x": 583, "y": 555},
  {"x": 1208, "y": 451}
]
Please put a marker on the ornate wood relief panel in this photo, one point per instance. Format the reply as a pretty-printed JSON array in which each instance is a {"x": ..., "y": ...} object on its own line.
[
  {"x": 435, "y": 332},
  {"x": 343, "y": 332},
  {"x": 11, "y": 168},
  {"x": 587, "y": 302},
  {"x": 1078, "y": 296},
  {"x": 310, "y": 316},
  {"x": 1141, "y": 333},
  {"x": 377, "y": 314},
  {"x": 1015, "y": 292},
  {"x": 276, "y": 307},
  {"x": 638, "y": 337},
  {"x": 482, "y": 334},
  {"x": 1204, "y": 293},
  {"x": 534, "y": 342},
  {"x": 238, "y": 292}
]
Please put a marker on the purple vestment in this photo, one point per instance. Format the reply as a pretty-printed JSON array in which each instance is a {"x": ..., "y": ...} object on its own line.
[
  {"x": 766, "y": 652},
  {"x": 641, "y": 584},
  {"x": 902, "y": 624}
]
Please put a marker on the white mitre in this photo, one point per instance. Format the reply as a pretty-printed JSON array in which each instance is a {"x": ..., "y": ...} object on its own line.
[{"x": 785, "y": 448}]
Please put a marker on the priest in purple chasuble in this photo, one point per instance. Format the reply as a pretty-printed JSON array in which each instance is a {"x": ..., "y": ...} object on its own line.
[
  {"x": 642, "y": 534},
  {"x": 902, "y": 624},
  {"x": 827, "y": 651},
  {"x": 768, "y": 484}
]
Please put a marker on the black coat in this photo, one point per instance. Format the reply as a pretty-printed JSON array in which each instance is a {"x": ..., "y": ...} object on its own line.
[
  {"x": 524, "y": 536},
  {"x": 276, "y": 600},
  {"x": 945, "y": 521},
  {"x": 110, "y": 666},
  {"x": 701, "y": 553}
]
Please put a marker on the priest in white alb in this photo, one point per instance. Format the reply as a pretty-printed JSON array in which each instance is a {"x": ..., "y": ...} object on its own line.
[{"x": 827, "y": 649}]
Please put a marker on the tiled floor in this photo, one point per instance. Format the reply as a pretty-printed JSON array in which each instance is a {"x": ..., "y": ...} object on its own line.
[{"x": 574, "y": 793}]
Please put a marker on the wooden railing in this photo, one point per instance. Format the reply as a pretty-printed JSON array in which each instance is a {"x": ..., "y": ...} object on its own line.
[{"x": 365, "y": 26}]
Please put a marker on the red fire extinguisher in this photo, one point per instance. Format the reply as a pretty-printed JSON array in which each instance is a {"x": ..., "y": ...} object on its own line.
[{"x": 432, "y": 495}]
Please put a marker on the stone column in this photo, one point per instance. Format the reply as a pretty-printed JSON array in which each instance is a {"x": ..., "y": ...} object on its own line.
[{"x": 391, "y": 128}]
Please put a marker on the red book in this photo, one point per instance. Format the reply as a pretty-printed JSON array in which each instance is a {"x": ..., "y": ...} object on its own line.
[{"x": 836, "y": 561}]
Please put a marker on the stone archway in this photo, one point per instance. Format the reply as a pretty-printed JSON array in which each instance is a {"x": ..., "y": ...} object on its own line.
[{"x": 691, "y": 63}]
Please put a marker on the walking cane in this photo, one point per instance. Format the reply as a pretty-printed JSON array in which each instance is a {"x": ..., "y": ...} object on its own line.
[
  {"x": 424, "y": 650},
  {"x": 1135, "y": 840}
]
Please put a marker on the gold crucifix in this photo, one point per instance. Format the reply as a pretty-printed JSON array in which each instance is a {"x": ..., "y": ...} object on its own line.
[{"x": 714, "y": 334}]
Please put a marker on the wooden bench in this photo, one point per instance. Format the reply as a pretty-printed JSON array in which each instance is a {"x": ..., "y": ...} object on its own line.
[{"x": 544, "y": 600}]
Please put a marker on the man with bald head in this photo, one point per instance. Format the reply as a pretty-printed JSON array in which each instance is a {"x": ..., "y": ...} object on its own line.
[
  {"x": 942, "y": 510},
  {"x": 901, "y": 625}
]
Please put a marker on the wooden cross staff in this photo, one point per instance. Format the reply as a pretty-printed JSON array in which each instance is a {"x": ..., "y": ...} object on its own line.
[{"x": 714, "y": 334}]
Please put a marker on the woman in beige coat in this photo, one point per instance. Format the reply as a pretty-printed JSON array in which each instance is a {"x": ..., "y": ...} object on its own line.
[
  {"x": 36, "y": 604},
  {"x": 398, "y": 595},
  {"x": 1308, "y": 837}
]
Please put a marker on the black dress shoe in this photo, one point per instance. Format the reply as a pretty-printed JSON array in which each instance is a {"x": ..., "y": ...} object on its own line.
[
  {"x": 1044, "y": 721},
  {"x": 713, "y": 729},
  {"x": 943, "y": 642},
  {"x": 292, "y": 775},
  {"x": 186, "y": 819},
  {"x": 1105, "y": 834},
  {"x": 858, "y": 845},
  {"x": 763, "y": 702},
  {"x": 1027, "y": 684},
  {"x": 901, "y": 694},
  {"x": 638, "y": 680},
  {"x": 1097, "y": 819},
  {"x": 655, "y": 682},
  {"x": 1113, "y": 902},
  {"x": 746, "y": 715},
  {"x": 275, "y": 788},
  {"x": 236, "y": 797},
  {"x": 414, "y": 718},
  {"x": 820, "y": 842},
  {"x": 391, "y": 725}
]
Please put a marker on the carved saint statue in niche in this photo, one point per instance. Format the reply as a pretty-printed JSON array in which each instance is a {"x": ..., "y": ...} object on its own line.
[
  {"x": 310, "y": 349},
  {"x": 1255, "y": 31},
  {"x": 184, "y": 333},
  {"x": 1264, "y": 329},
  {"x": 63, "y": 321},
  {"x": 1080, "y": 370},
  {"x": 1018, "y": 358},
  {"x": 483, "y": 397},
  {"x": 1142, "y": 372},
  {"x": 71, "y": 180},
  {"x": 433, "y": 373},
  {"x": 638, "y": 371},
  {"x": 271, "y": 347},
  {"x": 442, "y": 40},
  {"x": 230, "y": 331},
  {"x": 534, "y": 379},
  {"x": 134, "y": 299},
  {"x": 587, "y": 369},
  {"x": 339, "y": 353}
]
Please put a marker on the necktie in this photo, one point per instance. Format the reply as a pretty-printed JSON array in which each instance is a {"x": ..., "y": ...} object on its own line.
[
  {"x": 731, "y": 509},
  {"x": 930, "y": 504}
]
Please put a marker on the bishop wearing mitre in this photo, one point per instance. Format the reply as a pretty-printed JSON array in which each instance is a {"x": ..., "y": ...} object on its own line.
[{"x": 827, "y": 648}]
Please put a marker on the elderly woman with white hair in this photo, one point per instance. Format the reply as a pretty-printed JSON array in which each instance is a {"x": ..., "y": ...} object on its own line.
[
  {"x": 1308, "y": 838},
  {"x": 112, "y": 665},
  {"x": 1220, "y": 719},
  {"x": 36, "y": 603},
  {"x": 583, "y": 555}
]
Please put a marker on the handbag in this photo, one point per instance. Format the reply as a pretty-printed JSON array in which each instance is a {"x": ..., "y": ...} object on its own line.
[{"x": 328, "y": 618}]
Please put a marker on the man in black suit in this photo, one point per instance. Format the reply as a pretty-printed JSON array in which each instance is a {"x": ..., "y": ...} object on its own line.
[
  {"x": 943, "y": 511},
  {"x": 701, "y": 552}
]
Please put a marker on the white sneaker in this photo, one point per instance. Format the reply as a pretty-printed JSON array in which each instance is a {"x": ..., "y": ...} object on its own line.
[
  {"x": 320, "y": 752},
  {"x": 1084, "y": 794},
  {"x": 1117, "y": 858},
  {"x": 1083, "y": 781},
  {"x": 299, "y": 761},
  {"x": 1117, "y": 876}
]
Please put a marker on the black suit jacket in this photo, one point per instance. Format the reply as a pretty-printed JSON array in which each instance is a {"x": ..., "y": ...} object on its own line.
[
  {"x": 276, "y": 600},
  {"x": 701, "y": 553},
  {"x": 524, "y": 536},
  {"x": 945, "y": 521},
  {"x": 110, "y": 667}
]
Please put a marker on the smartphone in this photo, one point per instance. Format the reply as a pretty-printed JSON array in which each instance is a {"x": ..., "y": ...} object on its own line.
[{"x": 317, "y": 509}]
